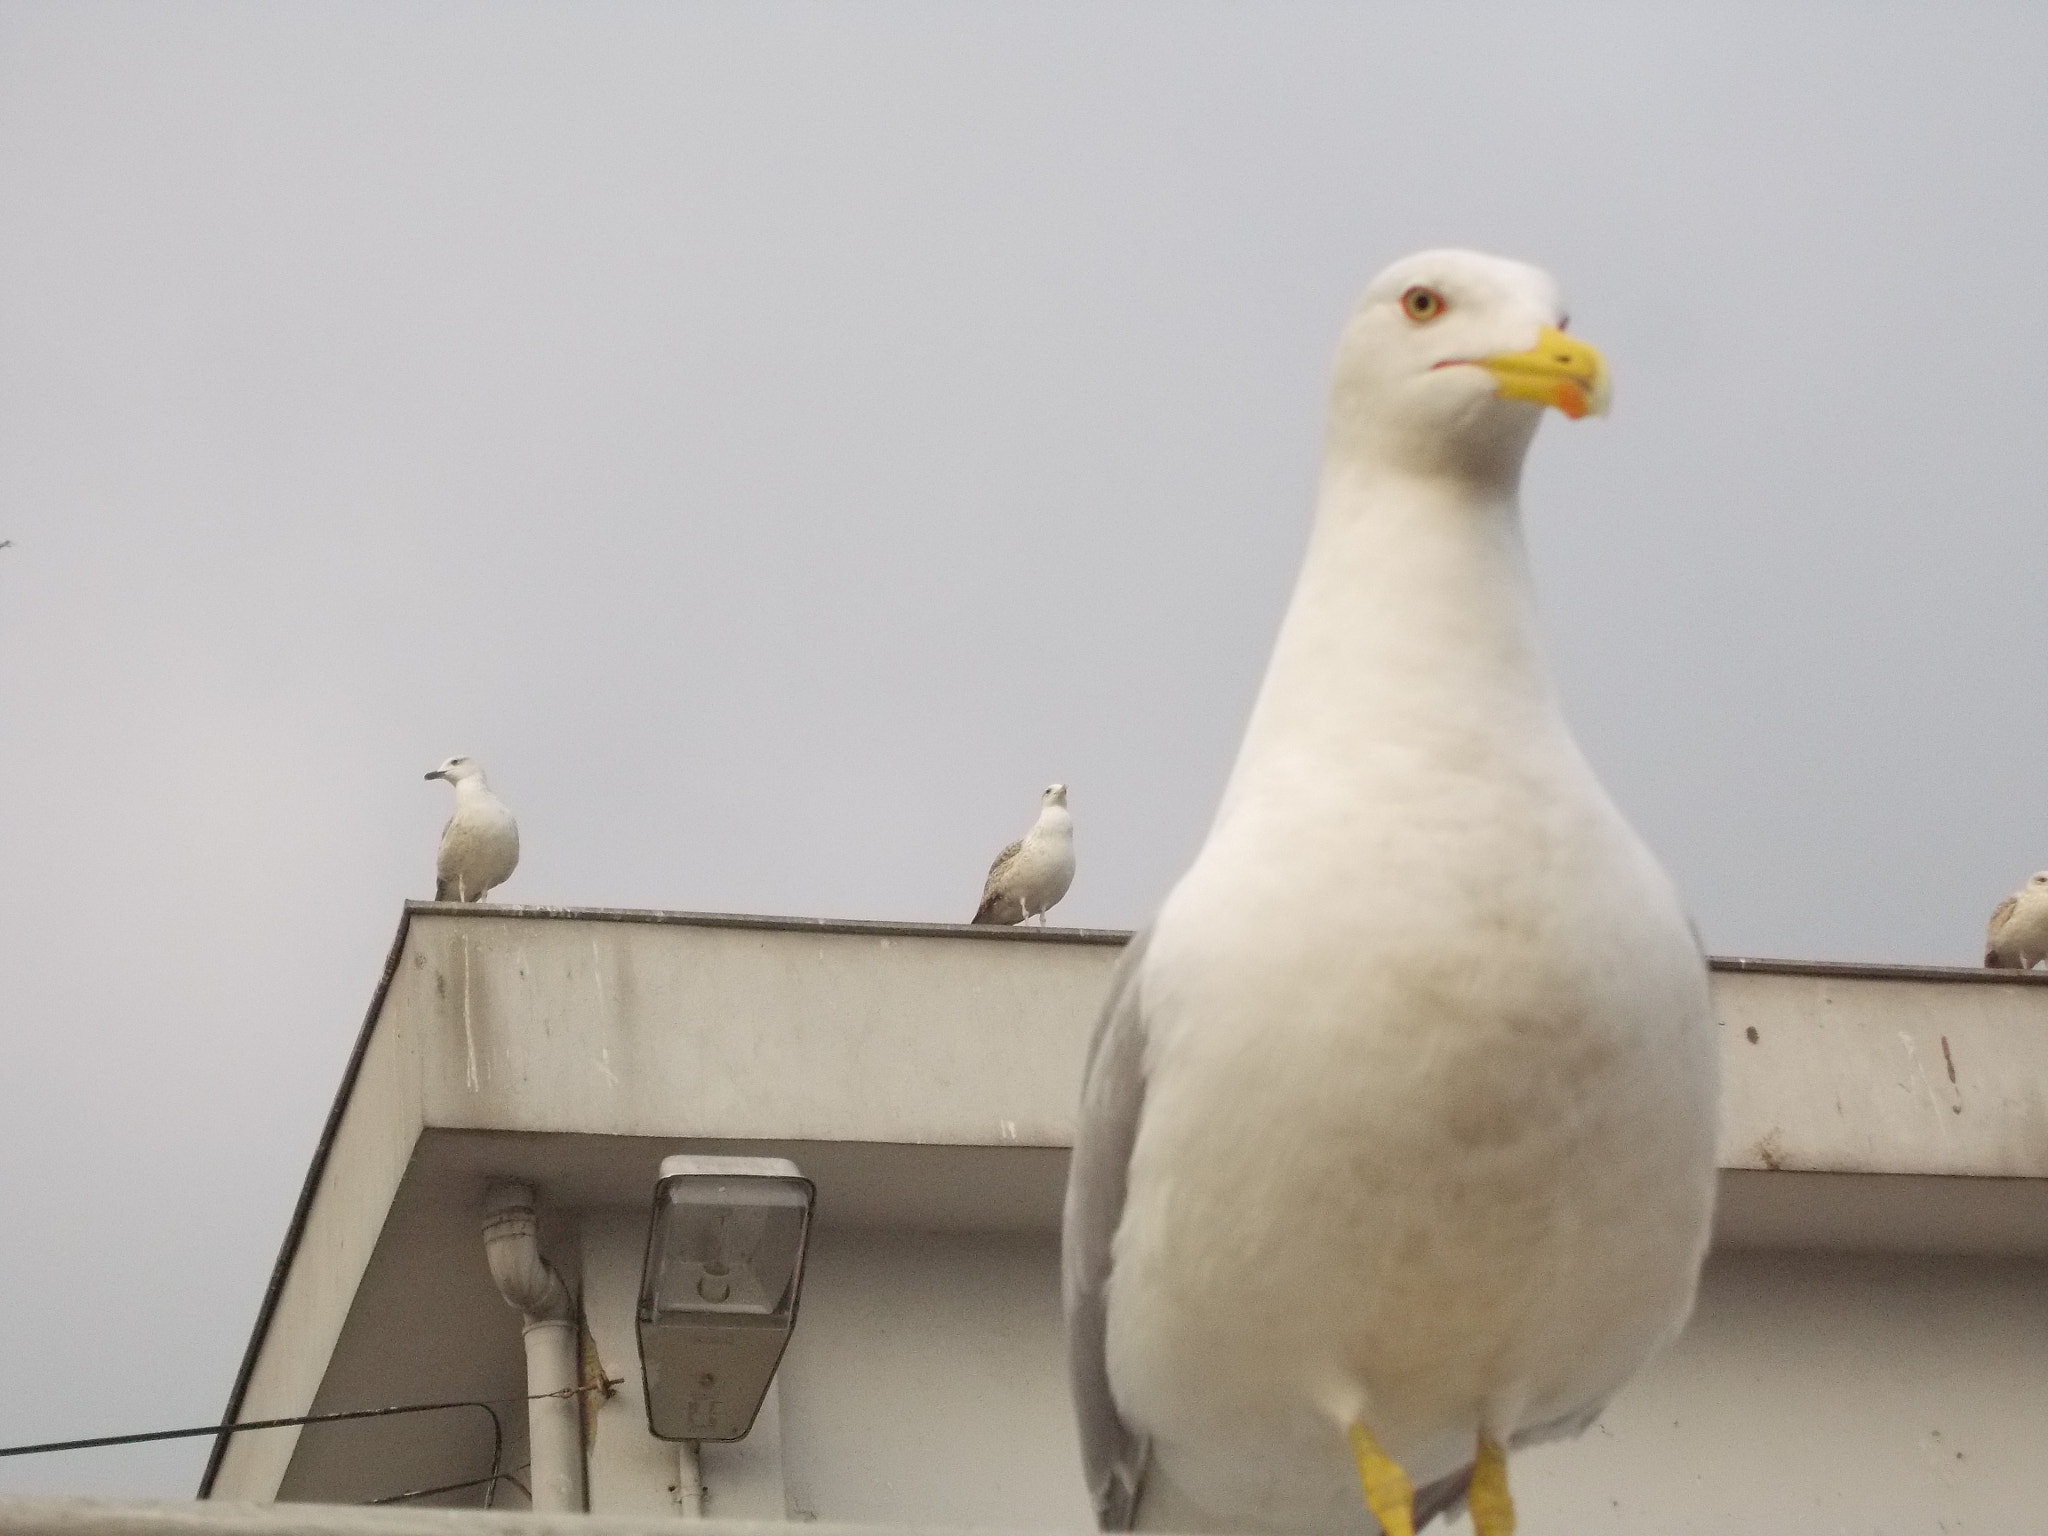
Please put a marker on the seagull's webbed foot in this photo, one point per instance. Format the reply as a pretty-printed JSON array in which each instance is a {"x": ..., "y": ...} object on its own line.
[
  {"x": 1388, "y": 1493},
  {"x": 1493, "y": 1509}
]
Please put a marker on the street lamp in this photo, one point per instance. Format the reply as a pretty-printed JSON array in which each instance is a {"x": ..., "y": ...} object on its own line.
[{"x": 718, "y": 1292}]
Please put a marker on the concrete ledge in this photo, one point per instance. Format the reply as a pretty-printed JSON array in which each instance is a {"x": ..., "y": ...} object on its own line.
[
  {"x": 98, "y": 1517},
  {"x": 732, "y": 1028}
]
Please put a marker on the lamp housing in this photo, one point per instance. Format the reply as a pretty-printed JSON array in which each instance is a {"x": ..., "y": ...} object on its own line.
[{"x": 718, "y": 1290}]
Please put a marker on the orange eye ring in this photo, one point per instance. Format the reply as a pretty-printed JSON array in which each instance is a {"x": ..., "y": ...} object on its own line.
[{"x": 1423, "y": 305}]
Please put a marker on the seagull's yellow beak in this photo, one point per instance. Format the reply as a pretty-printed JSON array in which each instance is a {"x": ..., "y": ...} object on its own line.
[{"x": 1559, "y": 370}]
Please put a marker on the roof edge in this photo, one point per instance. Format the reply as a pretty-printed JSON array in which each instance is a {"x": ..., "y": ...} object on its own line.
[
  {"x": 773, "y": 924},
  {"x": 1876, "y": 970},
  {"x": 769, "y": 923},
  {"x": 289, "y": 1249}
]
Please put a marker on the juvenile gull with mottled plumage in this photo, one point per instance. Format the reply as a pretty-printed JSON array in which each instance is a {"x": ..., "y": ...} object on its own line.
[
  {"x": 2017, "y": 939},
  {"x": 1030, "y": 876}
]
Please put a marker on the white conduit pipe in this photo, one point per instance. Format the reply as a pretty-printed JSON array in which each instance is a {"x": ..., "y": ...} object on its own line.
[
  {"x": 554, "y": 1425},
  {"x": 689, "y": 1481}
]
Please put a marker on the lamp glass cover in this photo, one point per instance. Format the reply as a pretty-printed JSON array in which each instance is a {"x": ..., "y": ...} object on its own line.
[{"x": 726, "y": 1247}]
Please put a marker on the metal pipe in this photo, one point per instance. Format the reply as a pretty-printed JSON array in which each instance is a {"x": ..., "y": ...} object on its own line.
[
  {"x": 554, "y": 1421},
  {"x": 689, "y": 1481}
]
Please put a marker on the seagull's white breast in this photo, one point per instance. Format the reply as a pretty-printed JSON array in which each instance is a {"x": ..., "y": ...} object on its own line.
[
  {"x": 1044, "y": 867},
  {"x": 480, "y": 844},
  {"x": 1480, "y": 1005}
]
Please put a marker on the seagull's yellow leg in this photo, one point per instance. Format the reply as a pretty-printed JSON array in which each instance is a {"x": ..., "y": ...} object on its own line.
[
  {"x": 1388, "y": 1493},
  {"x": 1493, "y": 1511}
]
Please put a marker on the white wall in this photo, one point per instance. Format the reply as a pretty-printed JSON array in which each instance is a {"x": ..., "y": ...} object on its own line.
[
  {"x": 927, "y": 1384},
  {"x": 1813, "y": 1393}
]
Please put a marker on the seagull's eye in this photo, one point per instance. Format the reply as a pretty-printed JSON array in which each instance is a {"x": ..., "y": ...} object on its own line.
[{"x": 1422, "y": 305}]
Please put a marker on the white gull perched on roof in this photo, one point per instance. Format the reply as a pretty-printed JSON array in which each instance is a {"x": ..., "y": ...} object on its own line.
[
  {"x": 480, "y": 845},
  {"x": 2017, "y": 939},
  {"x": 1396, "y": 1146},
  {"x": 1030, "y": 876}
]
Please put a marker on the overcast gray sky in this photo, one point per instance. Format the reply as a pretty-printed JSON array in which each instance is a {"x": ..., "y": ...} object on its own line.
[{"x": 779, "y": 439}]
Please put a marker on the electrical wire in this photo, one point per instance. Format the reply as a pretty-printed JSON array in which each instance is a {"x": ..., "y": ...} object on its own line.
[
  {"x": 511, "y": 1477},
  {"x": 489, "y": 1482},
  {"x": 491, "y": 1407},
  {"x": 229, "y": 1429}
]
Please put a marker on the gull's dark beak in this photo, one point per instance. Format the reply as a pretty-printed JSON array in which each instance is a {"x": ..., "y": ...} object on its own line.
[{"x": 437, "y": 774}]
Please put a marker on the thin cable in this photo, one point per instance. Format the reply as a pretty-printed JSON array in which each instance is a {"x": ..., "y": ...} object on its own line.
[
  {"x": 228, "y": 1429},
  {"x": 497, "y": 1465},
  {"x": 490, "y": 1407},
  {"x": 511, "y": 1477}
]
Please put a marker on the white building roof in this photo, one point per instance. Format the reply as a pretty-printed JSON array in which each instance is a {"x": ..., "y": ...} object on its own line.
[{"x": 926, "y": 1078}]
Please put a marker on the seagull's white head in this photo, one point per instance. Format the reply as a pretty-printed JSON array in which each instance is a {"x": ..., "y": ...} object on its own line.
[
  {"x": 1055, "y": 794},
  {"x": 456, "y": 769},
  {"x": 2037, "y": 881},
  {"x": 1449, "y": 360}
]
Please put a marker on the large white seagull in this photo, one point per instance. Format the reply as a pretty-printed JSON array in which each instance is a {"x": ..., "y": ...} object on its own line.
[{"x": 1396, "y": 1146}]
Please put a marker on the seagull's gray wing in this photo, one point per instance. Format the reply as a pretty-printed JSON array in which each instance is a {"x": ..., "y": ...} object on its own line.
[
  {"x": 997, "y": 870},
  {"x": 1112, "y": 1096},
  {"x": 993, "y": 897},
  {"x": 2005, "y": 910}
]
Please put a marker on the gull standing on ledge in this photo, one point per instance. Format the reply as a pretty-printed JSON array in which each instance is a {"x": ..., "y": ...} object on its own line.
[
  {"x": 1031, "y": 875},
  {"x": 1396, "y": 1145},
  {"x": 2018, "y": 937},
  {"x": 480, "y": 844}
]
